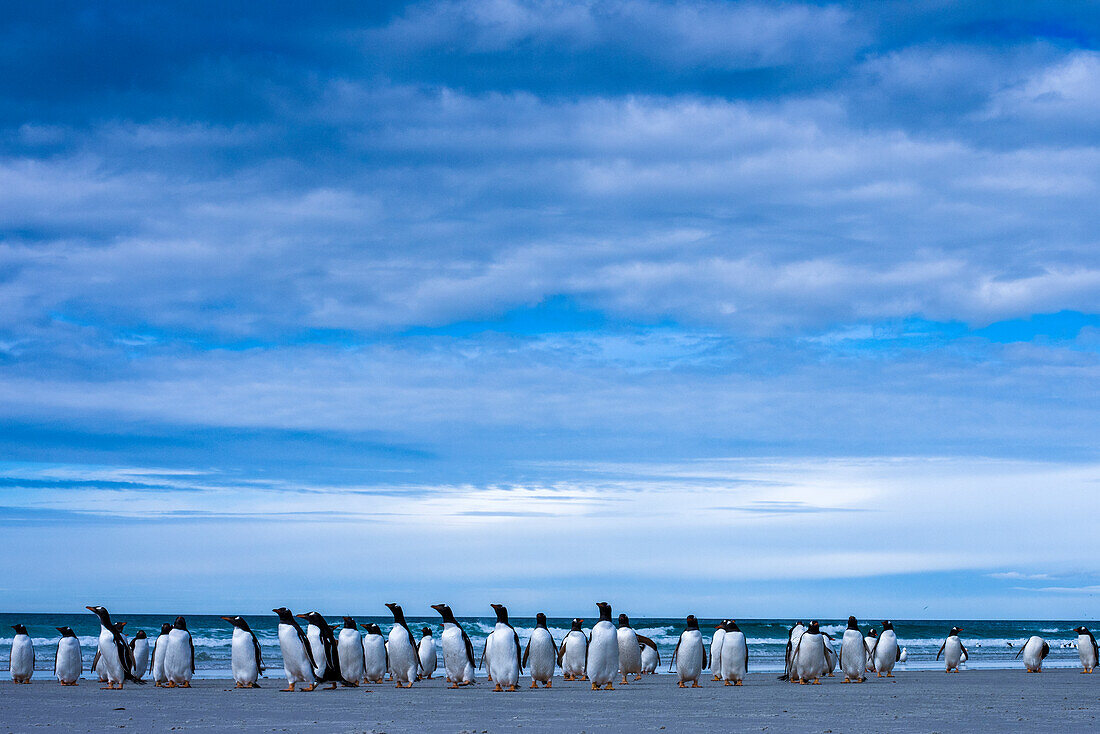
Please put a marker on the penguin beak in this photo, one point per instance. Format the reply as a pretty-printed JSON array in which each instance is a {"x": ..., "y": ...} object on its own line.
[
  {"x": 228, "y": 619},
  {"x": 60, "y": 629},
  {"x": 300, "y": 616},
  {"x": 90, "y": 609}
]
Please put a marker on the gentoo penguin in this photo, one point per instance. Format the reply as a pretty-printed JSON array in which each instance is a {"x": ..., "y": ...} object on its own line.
[
  {"x": 830, "y": 654},
  {"x": 690, "y": 654},
  {"x": 375, "y": 660},
  {"x": 574, "y": 652},
  {"x": 159, "y": 648},
  {"x": 540, "y": 654},
  {"x": 716, "y": 649},
  {"x": 869, "y": 642},
  {"x": 326, "y": 661},
  {"x": 313, "y": 635},
  {"x": 1034, "y": 651},
  {"x": 504, "y": 655},
  {"x": 350, "y": 646},
  {"x": 101, "y": 673},
  {"x": 1086, "y": 649},
  {"x": 735, "y": 654},
  {"x": 179, "y": 657},
  {"x": 651, "y": 657},
  {"x": 139, "y": 647},
  {"x": 796, "y": 631},
  {"x": 630, "y": 651},
  {"x": 903, "y": 655},
  {"x": 245, "y": 657},
  {"x": 297, "y": 657},
  {"x": 22, "y": 656},
  {"x": 425, "y": 650},
  {"x": 401, "y": 648},
  {"x": 886, "y": 652},
  {"x": 952, "y": 650},
  {"x": 853, "y": 653},
  {"x": 67, "y": 663},
  {"x": 458, "y": 651},
  {"x": 810, "y": 662},
  {"x": 603, "y": 650},
  {"x": 115, "y": 658}
]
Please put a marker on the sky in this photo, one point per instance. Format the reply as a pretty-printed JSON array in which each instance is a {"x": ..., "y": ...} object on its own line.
[{"x": 735, "y": 309}]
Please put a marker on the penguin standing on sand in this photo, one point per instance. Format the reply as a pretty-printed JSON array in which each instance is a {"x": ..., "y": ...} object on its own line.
[
  {"x": 1086, "y": 649},
  {"x": 401, "y": 648},
  {"x": 327, "y": 664},
  {"x": 67, "y": 663},
  {"x": 540, "y": 654},
  {"x": 139, "y": 647},
  {"x": 101, "y": 673},
  {"x": 574, "y": 652},
  {"x": 504, "y": 655},
  {"x": 603, "y": 651},
  {"x": 114, "y": 654},
  {"x": 244, "y": 654},
  {"x": 952, "y": 650},
  {"x": 810, "y": 661},
  {"x": 298, "y": 661},
  {"x": 869, "y": 642},
  {"x": 716, "y": 649},
  {"x": 313, "y": 634},
  {"x": 159, "y": 648},
  {"x": 690, "y": 654},
  {"x": 651, "y": 657},
  {"x": 853, "y": 653},
  {"x": 1034, "y": 651},
  {"x": 21, "y": 661},
  {"x": 350, "y": 646},
  {"x": 735, "y": 654},
  {"x": 375, "y": 660},
  {"x": 458, "y": 651},
  {"x": 630, "y": 651},
  {"x": 429, "y": 659},
  {"x": 179, "y": 658},
  {"x": 886, "y": 652},
  {"x": 796, "y": 631}
]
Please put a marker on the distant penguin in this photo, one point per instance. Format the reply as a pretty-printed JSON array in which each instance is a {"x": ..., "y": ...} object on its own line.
[
  {"x": 716, "y": 649},
  {"x": 651, "y": 657},
  {"x": 504, "y": 654},
  {"x": 326, "y": 664},
  {"x": 574, "y": 652},
  {"x": 429, "y": 659},
  {"x": 603, "y": 650},
  {"x": 375, "y": 660},
  {"x": 540, "y": 654},
  {"x": 139, "y": 647},
  {"x": 952, "y": 650},
  {"x": 179, "y": 658},
  {"x": 67, "y": 663},
  {"x": 401, "y": 648},
  {"x": 735, "y": 655},
  {"x": 115, "y": 657},
  {"x": 690, "y": 654},
  {"x": 350, "y": 646},
  {"x": 830, "y": 653},
  {"x": 903, "y": 655},
  {"x": 886, "y": 652},
  {"x": 853, "y": 653},
  {"x": 21, "y": 661},
  {"x": 159, "y": 648},
  {"x": 1034, "y": 651},
  {"x": 793, "y": 634},
  {"x": 630, "y": 652},
  {"x": 810, "y": 662},
  {"x": 298, "y": 661},
  {"x": 1086, "y": 649},
  {"x": 869, "y": 642},
  {"x": 458, "y": 651},
  {"x": 245, "y": 657}
]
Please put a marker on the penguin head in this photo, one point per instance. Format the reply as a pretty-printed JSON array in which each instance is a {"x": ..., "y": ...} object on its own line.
[
  {"x": 374, "y": 629},
  {"x": 853, "y": 624},
  {"x": 887, "y": 625},
  {"x": 692, "y": 622},
  {"x": 605, "y": 611},
  {"x": 19, "y": 629},
  {"x": 540, "y": 620},
  {"x": 872, "y": 633},
  {"x": 1082, "y": 630},
  {"x": 425, "y": 631},
  {"x": 349, "y": 624},
  {"x": 140, "y": 635},
  {"x": 119, "y": 626},
  {"x": 445, "y": 612},
  {"x": 103, "y": 614},
  {"x": 395, "y": 609},
  {"x": 165, "y": 628},
  {"x": 814, "y": 628},
  {"x": 731, "y": 626},
  {"x": 66, "y": 631},
  {"x": 238, "y": 622},
  {"x": 624, "y": 621},
  {"x": 954, "y": 631},
  {"x": 502, "y": 613},
  {"x": 285, "y": 615},
  {"x": 316, "y": 619},
  {"x": 180, "y": 624},
  {"x": 577, "y": 622}
]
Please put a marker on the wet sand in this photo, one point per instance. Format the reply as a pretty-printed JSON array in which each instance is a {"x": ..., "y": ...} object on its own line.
[{"x": 991, "y": 700}]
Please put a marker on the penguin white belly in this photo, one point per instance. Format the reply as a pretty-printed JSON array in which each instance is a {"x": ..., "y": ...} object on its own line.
[
  {"x": 853, "y": 655},
  {"x": 689, "y": 656},
  {"x": 177, "y": 658},
  {"x": 952, "y": 652},
  {"x": 809, "y": 658},
  {"x": 869, "y": 646},
  {"x": 886, "y": 652},
  {"x": 313, "y": 634},
  {"x": 109, "y": 662},
  {"x": 404, "y": 661},
  {"x": 716, "y": 651},
  {"x": 68, "y": 665},
  {"x": 1033, "y": 653},
  {"x": 242, "y": 658},
  {"x": 603, "y": 653},
  {"x": 572, "y": 661},
  {"x": 374, "y": 658},
  {"x": 295, "y": 661},
  {"x": 649, "y": 660},
  {"x": 735, "y": 657},
  {"x": 1086, "y": 652},
  {"x": 541, "y": 656},
  {"x": 349, "y": 645},
  {"x": 159, "y": 648},
  {"x": 429, "y": 659},
  {"x": 630, "y": 652},
  {"x": 830, "y": 655},
  {"x": 22, "y": 659},
  {"x": 504, "y": 656},
  {"x": 455, "y": 659},
  {"x": 141, "y": 657}
]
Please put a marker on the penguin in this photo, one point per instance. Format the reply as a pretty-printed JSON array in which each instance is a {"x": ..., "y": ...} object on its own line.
[
  {"x": 952, "y": 650},
  {"x": 965, "y": 656},
  {"x": 352, "y": 656},
  {"x": 22, "y": 656},
  {"x": 245, "y": 658},
  {"x": 401, "y": 648},
  {"x": 458, "y": 651},
  {"x": 903, "y": 655},
  {"x": 735, "y": 654},
  {"x": 67, "y": 662},
  {"x": 651, "y": 656},
  {"x": 1034, "y": 651},
  {"x": 326, "y": 656},
  {"x": 795, "y": 632},
  {"x": 690, "y": 654},
  {"x": 869, "y": 642},
  {"x": 886, "y": 652},
  {"x": 313, "y": 634},
  {"x": 810, "y": 662},
  {"x": 1086, "y": 649},
  {"x": 298, "y": 661},
  {"x": 139, "y": 648},
  {"x": 716, "y": 649},
  {"x": 853, "y": 654},
  {"x": 574, "y": 652},
  {"x": 630, "y": 651},
  {"x": 375, "y": 659},
  {"x": 425, "y": 650},
  {"x": 830, "y": 654},
  {"x": 179, "y": 657},
  {"x": 115, "y": 657},
  {"x": 100, "y": 672},
  {"x": 504, "y": 654},
  {"x": 603, "y": 651},
  {"x": 540, "y": 654},
  {"x": 159, "y": 648}
]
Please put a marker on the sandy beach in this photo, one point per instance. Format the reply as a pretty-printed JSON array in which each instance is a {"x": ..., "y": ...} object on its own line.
[{"x": 991, "y": 700}]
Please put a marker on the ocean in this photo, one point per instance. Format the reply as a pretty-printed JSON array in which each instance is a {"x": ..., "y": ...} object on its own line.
[{"x": 991, "y": 644}]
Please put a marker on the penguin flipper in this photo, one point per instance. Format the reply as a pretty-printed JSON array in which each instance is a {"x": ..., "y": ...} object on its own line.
[
  {"x": 561, "y": 651},
  {"x": 1046, "y": 650},
  {"x": 521, "y": 663},
  {"x": 897, "y": 653},
  {"x": 944, "y": 645},
  {"x": 526, "y": 652},
  {"x": 191, "y": 643},
  {"x": 259, "y": 655},
  {"x": 469, "y": 647},
  {"x": 674, "y": 651},
  {"x": 484, "y": 648}
]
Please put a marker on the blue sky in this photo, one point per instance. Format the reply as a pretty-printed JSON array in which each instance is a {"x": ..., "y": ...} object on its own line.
[{"x": 730, "y": 308}]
